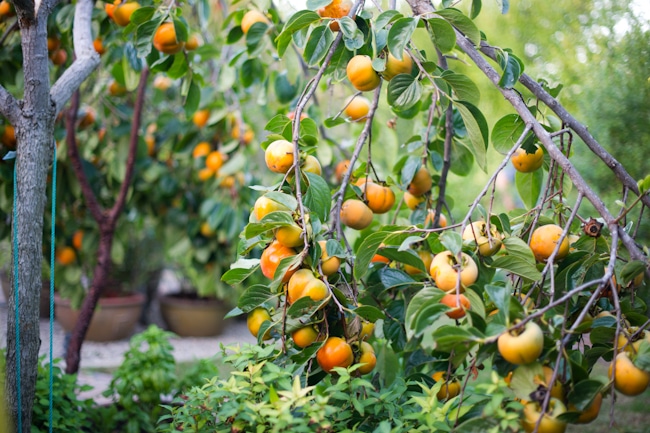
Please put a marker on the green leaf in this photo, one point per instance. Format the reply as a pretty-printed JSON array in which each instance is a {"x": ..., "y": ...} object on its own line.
[
  {"x": 370, "y": 313},
  {"x": 512, "y": 69},
  {"x": 500, "y": 296},
  {"x": 192, "y": 100},
  {"x": 317, "y": 197},
  {"x": 254, "y": 296},
  {"x": 418, "y": 301},
  {"x": 179, "y": 67},
  {"x": 517, "y": 266},
  {"x": 584, "y": 392},
  {"x": 319, "y": 43},
  {"x": 442, "y": 34},
  {"x": 386, "y": 18},
  {"x": 452, "y": 241},
  {"x": 252, "y": 70},
  {"x": 523, "y": 381},
  {"x": 400, "y": 34},
  {"x": 285, "y": 199},
  {"x": 529, "y": 186},
  {"x": 367, "y": 250},
  {"x": 632, "y": 270},
  {"x": 477, "y": 130},
  {"x": 476, "y": 8},
  {"x": 255, "y": 35},
  {"x": 516, "y": 247},
  {"x": 463, "y": 86},
  {"x": 465, "y": 25},
  {"x": 338, "y": 63},
  {"x": 237, "y": 275},
  {"x": 428, "y": 315},
  {"x": 404, "y": 91},
  {"x": 143, "y": 36},
  {"x": 299, "y": 20},
  {"x": 448, "y": 337},
  {"x": 506, "y": 132}
]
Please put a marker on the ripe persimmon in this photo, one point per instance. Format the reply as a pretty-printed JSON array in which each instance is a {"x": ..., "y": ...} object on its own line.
[
  {"x": 336, "y": 9},
  {"x": 544, "y": 240},
  {"x": 165, "y": 40},
  {"x": 251, "y": 17},
  {"x": 361, "y": 74},
  {"x": 271, "y": 258},
  {"x": 279, "y": 156},
  {"x": 355, "y": 214},
  {"x": 336, "y": 352},
  {"x": 527, "y": 162},
  {"x": 357, "y": 108}
]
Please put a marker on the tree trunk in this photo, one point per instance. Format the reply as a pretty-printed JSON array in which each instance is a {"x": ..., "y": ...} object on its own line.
[{"x": 34, "y": 132}]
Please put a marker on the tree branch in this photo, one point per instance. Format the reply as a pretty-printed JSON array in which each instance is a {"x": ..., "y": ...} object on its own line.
[
  {"x": 580, "y": 129},
  {"x": 554, "y": 152},
  {"x": 86, "y": 58},
  {"x": 75, "y": 160},
  {"x": 116, "y": 210},
  {"x": 9, "y": 106}
]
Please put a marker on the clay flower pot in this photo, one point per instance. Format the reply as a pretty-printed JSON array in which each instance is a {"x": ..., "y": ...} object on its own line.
[
  {"x": 114, "y": 319},
  {"x": 193, "y": 317}
]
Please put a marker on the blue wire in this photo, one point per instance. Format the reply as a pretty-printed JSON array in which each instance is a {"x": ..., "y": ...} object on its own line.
[
  {"x": 51, "y": 395},
  {"x": 16, "y": 299}
]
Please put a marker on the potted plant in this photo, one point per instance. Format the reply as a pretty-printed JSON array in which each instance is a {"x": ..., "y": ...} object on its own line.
[{"x": 121, "y": 304}]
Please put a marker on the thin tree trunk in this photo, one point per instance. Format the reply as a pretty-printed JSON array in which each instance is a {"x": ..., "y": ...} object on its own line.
[{"x": 34, "y": 132}]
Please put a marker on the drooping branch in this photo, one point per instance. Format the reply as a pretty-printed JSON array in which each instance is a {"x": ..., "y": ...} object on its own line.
[
  {"x": 86, "y": 58},
  {"x": 580, "y": 129},
  {"x": 551, "y": 148}
]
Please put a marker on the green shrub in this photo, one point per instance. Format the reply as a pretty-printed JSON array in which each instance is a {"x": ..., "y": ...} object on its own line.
[{"x": 265, "y": 396}]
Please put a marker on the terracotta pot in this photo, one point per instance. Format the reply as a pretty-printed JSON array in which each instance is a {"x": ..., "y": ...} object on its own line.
[
  {"x": 45, "y": 294},
  {"x": 193, "y": 317},
  {"x": 114, "y": 318}
]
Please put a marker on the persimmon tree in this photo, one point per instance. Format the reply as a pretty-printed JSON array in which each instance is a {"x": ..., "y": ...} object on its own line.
[{"x": 449, "y": 307}]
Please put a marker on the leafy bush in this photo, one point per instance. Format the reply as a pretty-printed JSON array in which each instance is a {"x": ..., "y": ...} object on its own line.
[{"x": 261, "y": 395}]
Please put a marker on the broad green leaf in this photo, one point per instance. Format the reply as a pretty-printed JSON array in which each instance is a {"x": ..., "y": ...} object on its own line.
[
  {"x": 427, "y": 315},
  {"x": 404, "y": 91},
  {"x": 518, "y": 248},
  {"x": 442, "y": 34},
  {"x": 285, "y": 199},
  {"x": 420, "y": 299},
  {"x": 448, "y": 337},
  {"x": 476, "y": 8},
  {"x": 370, "y": 313},
  {"x": 500, "y": 296},
  {"x": 237, "y": 275},
  {"x": 512, "y": 69},
  {"x": 143, "y": 36},
  {"x": 465, "y": 25},
  {"x": 463, "y": 87},
  {"x": 524, "y": 380},
  {"x": 400, "y": 34},
  {"x": 477, "y": 131},
  {"x": 584, "y": 392},
  {"x": 284, "y": 90},
  {"x": 299, "y": 20},
  {"x": 529, "y": 186},
  {"x": 192, "y": 100},
  {"x": 252, "y": 70},
  {"x": 254, "y": 36},
  {"x": 386, "y": 18},
  {"x": 317, "y": 197},
  {"x": 367, "y": 250},
  {"x": 517, "y": 266},
  {"x": 506, "y": 132},
  {"x": 452, "y": 241},
  {"x": 631, "y": 270},
  {"x": 318, "y": 44},
  {"x": 253, "y": 297},
  {"x": 339, "y": 61}
]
